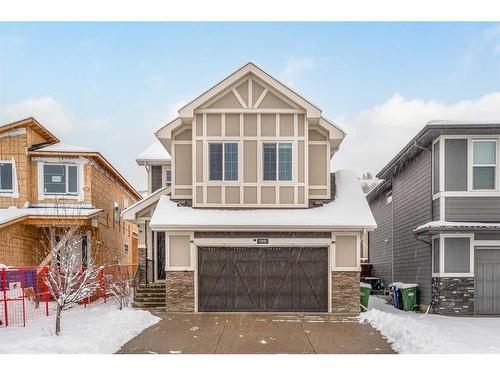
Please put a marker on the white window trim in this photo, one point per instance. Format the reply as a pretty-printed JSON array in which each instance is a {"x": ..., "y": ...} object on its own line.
[
  {"x": 41, "y": 190},
  {"x": 191, "y": 252},
  {"x": 14, "y": 193},
  {"x": 277, "y": 180},
  {"x": 471, "y": 163},
  {"x": 442, "y": 250},
  {"x": 388, "y": 197},
  {"x": 223, "y": 143},
  {"x": 333, "y": 251}
]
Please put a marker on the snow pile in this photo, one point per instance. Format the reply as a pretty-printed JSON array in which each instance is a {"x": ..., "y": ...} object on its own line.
[
  {"x": 413, "y": 333},
  {"x": 100, "y": 328},
  {"x": 349, "y": 210},
  {"x": 3, "y": 266}
]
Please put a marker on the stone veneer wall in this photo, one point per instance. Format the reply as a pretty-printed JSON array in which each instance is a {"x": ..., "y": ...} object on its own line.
[
  {"x": 345, "y": 292},
  {"x": 141, "y": 265},
  {"x": 180, "y": 291},
  {"x": 453, "y": 295}
]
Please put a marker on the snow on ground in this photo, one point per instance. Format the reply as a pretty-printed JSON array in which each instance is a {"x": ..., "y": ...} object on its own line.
[
  {"x": 410, "y": 332},
  {"x": 100, "y": 328}
]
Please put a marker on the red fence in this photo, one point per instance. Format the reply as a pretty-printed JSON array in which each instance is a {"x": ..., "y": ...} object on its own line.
[{"x": 24, "y": 296}]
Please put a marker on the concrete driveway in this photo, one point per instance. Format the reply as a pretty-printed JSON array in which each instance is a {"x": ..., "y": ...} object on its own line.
[{"x": 257, "y": 333}]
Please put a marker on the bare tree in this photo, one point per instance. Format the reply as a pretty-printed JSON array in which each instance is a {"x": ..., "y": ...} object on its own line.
[
  {"x": 67, "y": 281},
  {"x": 119, "y": 287}
]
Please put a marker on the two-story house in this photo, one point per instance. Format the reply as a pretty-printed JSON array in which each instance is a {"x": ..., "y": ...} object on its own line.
[
  {"x": 438, "y": 217},
  {"x": 47, "y": 186},
  {"x": 253, "y": 220}
]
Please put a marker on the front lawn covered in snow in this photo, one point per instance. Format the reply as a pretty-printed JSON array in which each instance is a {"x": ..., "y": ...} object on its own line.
[
  {"x": 410, "y": 332},
  {"x": 100, "y": 328}
]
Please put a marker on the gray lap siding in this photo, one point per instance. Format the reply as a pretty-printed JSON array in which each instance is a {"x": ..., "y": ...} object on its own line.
[
  {"x": 482, "y": 209},
  {"x": 380, "y": 250},
  {"x": 412, "y": 199}
]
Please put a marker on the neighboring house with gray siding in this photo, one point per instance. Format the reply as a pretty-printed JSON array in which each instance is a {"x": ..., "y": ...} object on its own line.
[{"x": 438, "y": 218}]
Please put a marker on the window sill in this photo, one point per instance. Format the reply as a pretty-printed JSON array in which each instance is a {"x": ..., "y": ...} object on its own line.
[
  {"x": 173, "y": 269},
  {"x": 453, "y": 274}
]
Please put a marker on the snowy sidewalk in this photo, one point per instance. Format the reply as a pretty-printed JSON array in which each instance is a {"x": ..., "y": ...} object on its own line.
[
  {"x": 410, "y": 332},
  {"x": 100, "y": 328}
]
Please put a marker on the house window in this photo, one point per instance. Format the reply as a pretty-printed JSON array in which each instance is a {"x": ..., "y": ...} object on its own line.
[
  {"x": 155, "y": 178},
  {"x": 483, "y": 164},
  {"x": 388, "y": 197},
  {"x": 60, "y": 179},
  {"x": 223, "y": 158},
  {"x": 6, "y": 177},
  {"x": 277, "y": 161},
  {"x": 168, "y": 176},
  {"x": 125, "y": 249},
  {"x": 116, "y": 212},
  {"x": 435, "y": 255},
  {"x": 231, "y": 161},
  {"x": 457, "y": 255}
]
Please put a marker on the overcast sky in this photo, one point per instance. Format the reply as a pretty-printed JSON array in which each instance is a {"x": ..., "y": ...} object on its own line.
[{"x": 110, "y": 86}]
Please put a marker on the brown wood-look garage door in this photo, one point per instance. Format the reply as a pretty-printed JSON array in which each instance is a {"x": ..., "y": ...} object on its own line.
[{"x": 263, "y": 279}]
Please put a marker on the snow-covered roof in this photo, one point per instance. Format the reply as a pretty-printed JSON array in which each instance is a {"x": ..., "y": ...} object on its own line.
[
  {"x": 12, "y": 213},
  {"x": 130, "y": 212},
  {"x": 64, "y": 147},
  {"x": 441, "y": 225},
  {"x": 349, "y": 210},
  {"x": 156, "y": 152}
]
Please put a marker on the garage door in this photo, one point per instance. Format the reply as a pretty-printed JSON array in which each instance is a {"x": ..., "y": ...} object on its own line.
[
  {"x": 263, "y": 279},
  {"x": 487, "y": 281}
]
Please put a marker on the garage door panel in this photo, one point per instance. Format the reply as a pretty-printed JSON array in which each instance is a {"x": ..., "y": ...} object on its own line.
[
  {"x": 263, "y": 279},
  {"x": 487, "y": 281}
]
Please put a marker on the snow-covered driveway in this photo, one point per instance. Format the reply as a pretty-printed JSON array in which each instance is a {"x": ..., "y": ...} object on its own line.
[
  {"x": 100, "y": 328},
  {"x": 410, "y": 332}
]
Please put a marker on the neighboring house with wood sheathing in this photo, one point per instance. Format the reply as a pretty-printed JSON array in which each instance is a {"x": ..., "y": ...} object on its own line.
[
  {"x": 46, "y": 186},
  {"x": 251, "y": 219}
]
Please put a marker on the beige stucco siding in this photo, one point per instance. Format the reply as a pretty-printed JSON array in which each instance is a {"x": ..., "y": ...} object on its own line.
[
  {"x": 250, "y": 161},
  {"x": 250, "y": 195},
  {"x": 272, "y": 101},
  {"x": 268, "y": 125},
  {"x": 317, "y": 164},
  {"x": 179, "y": 251},
  {"x": 286, "y": 194},
  {"x": 199, "y": 161},
  {"x": 227, "y": 101},
  {"x": 286, "y": 125},
  {"x": 232, "y": 125},
  {"x": 250, "y": 125},
  {"x": 268, "y": 194},
  {"x": 232, "y": 194},
  {"x": 214, "y": 194},
  {"x": 183, "y": 164},
  {"x": 214, "y": 125}
]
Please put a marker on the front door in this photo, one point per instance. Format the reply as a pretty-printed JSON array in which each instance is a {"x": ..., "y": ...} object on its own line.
[
  {"x": 160, "y": 255},
  {"x": 267, "y": 279},
  {"x": 487, "y": 281}
]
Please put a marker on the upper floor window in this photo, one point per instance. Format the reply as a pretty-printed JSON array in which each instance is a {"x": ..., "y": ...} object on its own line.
[
  {"x": 60, "y": 179},
  {"x": 223, "y": 161},
  {"x": 277, "y": 161},
  {"x": 483, "y": 164},
  {"x": 116, "y": 212},
  {"x": 6, "y": 177},
  {"x": 168, "y": 176},
  {"x": 156, "y": 175}
]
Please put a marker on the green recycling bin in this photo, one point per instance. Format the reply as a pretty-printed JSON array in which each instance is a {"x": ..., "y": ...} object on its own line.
[
  {"x": 364, "y": 295},
  {"x": 409, "y": 295}
]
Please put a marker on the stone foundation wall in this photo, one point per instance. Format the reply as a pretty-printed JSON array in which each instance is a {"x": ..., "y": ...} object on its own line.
[
  {"x": 453, "y": 295},
  {"x": 180, "y": 291},
  {"x": 345, "y": 292}
]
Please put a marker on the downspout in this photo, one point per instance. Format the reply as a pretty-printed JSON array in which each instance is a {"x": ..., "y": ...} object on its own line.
[{"x": 392, "y": 230}]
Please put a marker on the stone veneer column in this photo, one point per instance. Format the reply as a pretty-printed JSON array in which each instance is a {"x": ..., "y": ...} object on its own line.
[
  {"x": 453, "y": 295},
  {"x": 180, "y": 291},
  {"x": 141, "y": 264},
  {"x": 345, "y": 292}
]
